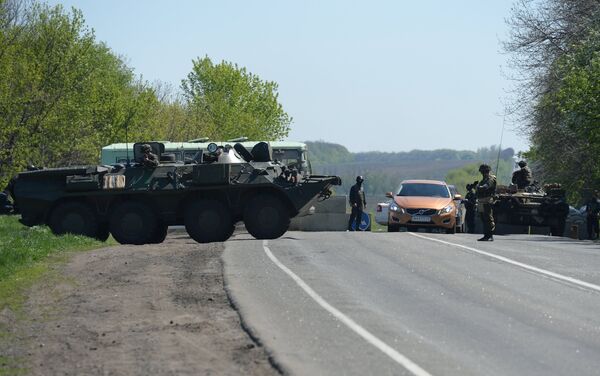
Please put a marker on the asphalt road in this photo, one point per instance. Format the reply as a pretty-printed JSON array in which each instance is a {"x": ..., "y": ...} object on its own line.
[{"x": 402, "y": 303}]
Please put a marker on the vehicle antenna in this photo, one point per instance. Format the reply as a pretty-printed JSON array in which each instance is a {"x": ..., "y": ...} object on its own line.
[
  {"x": 129, "y": 117},
  {"x": 127, "y": 141},
  {"x": 500, "y": 146}
]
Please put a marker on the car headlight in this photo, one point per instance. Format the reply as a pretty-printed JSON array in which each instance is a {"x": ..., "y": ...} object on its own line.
[
  {"x": 447, "y": 209},
  {"x": 395, "y": 208}
]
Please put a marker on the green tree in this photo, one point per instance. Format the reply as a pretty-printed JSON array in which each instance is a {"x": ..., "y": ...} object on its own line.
[
  {"x": 568, "y": 147},
  {"x": 63, "y": 95},
  {"x": 226, "y": 101},
  {"x": 554, "y": 46}
]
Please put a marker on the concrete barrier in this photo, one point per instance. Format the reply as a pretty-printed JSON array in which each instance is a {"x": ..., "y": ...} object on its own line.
[
  {"x": 320, "y": 222},
  {"x": 329, "y": 215},
  {"x": 335, "y": 204}
]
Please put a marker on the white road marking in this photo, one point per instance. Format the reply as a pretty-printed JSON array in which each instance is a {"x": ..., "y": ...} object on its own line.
[
  {"x": 545, "y": 272},
  {"x": 365, "y": 334}
]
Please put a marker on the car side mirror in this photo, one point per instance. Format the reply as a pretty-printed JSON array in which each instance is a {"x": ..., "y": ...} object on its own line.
[
  {"x": 458, "y": 197},
  {"x": 389, "y": 195}
]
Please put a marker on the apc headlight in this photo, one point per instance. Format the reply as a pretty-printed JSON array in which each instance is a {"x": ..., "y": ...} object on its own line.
[
  {"x": 395, "y": 208},
  {"x": 447, "y": 209}
]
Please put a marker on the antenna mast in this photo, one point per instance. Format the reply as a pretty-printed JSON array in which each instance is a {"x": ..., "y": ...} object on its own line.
[
  {"x": 127, "y": 141},
  {"x": 500, "y": 146}
]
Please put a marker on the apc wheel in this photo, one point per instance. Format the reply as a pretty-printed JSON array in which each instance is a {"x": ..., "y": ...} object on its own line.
[
  {"x": 557, "y": 230},
  {"x": 133, "y": 223},
  {"x": 160, "y": 234},
  {"x": 229, "y": 232},
  {"x": 73, "y": 218},
  {"x": 102, "y": 234},
  {"x": 393, "y": 228},
  {"x": 266, "y": 217},
  {"x": 208, "y": 221}
]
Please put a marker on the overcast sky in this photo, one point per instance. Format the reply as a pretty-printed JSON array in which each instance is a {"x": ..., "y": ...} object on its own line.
[{"x": 371, "y": 75}]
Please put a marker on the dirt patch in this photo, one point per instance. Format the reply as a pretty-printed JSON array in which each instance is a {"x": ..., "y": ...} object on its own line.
[{"x": 137, "y": 310}]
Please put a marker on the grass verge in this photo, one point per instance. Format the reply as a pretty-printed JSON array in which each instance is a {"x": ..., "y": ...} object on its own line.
[
  {"x": 376, "y": 227},
  {"x": 26, "y": 254},
  {"x": 23, "y": 252}
]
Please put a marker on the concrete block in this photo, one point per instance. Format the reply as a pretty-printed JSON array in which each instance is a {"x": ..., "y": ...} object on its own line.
[
  {"x": 320, "y": 222},
  {"x": 335, "y": 204},
  {"x": 323, "y": 222}
]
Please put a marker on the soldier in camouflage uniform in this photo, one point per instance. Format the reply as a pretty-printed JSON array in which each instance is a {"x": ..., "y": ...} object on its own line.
[
  {"x": 470, "y": 206},
  {"x": 149, "y": 159},
  {"x": 522, "y": 178},
  {"x": 358, "y": 203},
  {"x": 485, "y": 200},
  {"x": 592, "y": 207}
]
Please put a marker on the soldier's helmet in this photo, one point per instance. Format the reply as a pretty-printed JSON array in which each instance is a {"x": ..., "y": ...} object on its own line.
[
  {"x": 522, "y": 164},
  {"x": 145, "y": 148},
  {"x": 360, "y": 179},
  {"x": 485, "y": 168}
]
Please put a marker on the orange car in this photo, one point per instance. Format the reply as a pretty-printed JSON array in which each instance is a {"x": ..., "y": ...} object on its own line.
[{"x": 423, "y": 204}]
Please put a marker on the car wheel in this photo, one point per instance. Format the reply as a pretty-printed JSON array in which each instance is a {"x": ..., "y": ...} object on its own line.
[
  {"x": 208, "y": 221},
  {"x": 451, "y": 230},
  {"x": 74, "y": 218},
  {"x": 266, "y": 217},
  {"x": 133, "y": 222}
]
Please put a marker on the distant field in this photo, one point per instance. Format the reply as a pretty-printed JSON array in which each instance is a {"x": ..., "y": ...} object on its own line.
[
  {"x": 404, "y": 170},
  {"x": 381, "y": 178}
]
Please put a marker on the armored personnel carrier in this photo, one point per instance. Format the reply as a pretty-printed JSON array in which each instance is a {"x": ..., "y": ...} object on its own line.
[
  {"x": 136, "y": 203},
  {"x": 533, "y": 206}
]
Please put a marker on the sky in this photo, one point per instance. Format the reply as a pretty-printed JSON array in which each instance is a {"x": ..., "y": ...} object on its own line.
[{"x": 370, "y": 75}]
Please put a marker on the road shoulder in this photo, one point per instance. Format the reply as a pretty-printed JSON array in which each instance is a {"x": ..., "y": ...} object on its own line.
[{"x": 135, "y": 310}]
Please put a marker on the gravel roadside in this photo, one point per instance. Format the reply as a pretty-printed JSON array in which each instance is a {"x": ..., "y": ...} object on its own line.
[{"x": 137, "y": 310}]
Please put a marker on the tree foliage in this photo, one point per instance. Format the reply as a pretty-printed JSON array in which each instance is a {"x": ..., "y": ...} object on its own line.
[
  {"x": 64, "y": 95},
  {"x": 555, "y": 46},
  {"x": 226, "y": 101}
]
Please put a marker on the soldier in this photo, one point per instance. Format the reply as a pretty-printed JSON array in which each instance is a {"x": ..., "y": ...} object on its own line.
[
  {"x": 357, "y": 202},
  {"x": 592, "y": 207},
  {"x": 470, "y": 205},
  {"x": 485, "y": 199},
  {"x": 5, "y": 205},
  {"x": 149, "y": 159},
  {"x": 522, "y": 178}
]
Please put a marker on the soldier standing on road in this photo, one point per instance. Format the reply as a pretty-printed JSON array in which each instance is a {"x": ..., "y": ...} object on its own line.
[
  {"x": 149, "y": 159},
  {"x": 592, "y": 207},
  {"x": 470, "y": 205},
  {"x": 357, "y": 202},
  {"x": 485, "y": 199},
  {"x": 522, "y": 178}
]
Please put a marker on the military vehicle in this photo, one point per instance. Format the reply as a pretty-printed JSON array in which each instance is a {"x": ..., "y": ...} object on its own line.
[
  {"x": 6, "y": 206},
  {"x": 136, "y": 203},
  {"x": 533, "y": 206}
]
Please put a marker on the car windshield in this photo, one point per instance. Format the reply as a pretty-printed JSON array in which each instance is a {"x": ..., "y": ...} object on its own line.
[{"x": 423, "y": 190}]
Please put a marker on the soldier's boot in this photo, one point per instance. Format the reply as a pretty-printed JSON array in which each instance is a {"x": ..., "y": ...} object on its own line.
[{"x": 486, "y": 238}]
